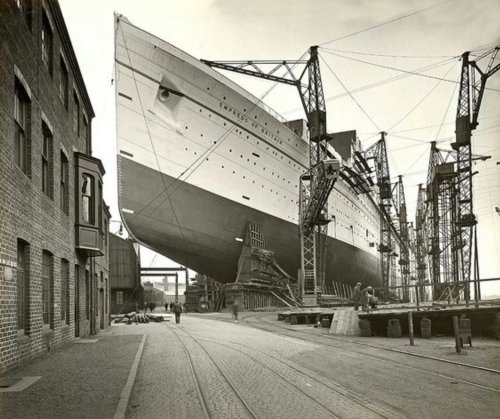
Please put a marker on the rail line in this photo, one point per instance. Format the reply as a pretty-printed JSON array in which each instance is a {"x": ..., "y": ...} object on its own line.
[
  {"x": 322, "y": 406},
  {"x": 201, "y": 393},
  {"x": 362, "y": 401},
  {"x": 280, "y": 330}
]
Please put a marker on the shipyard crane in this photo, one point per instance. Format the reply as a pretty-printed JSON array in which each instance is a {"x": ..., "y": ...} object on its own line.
[
  {"x": 378, "y": 152},
  {"x": 469, "y": 103},
  {"x": 399, "y": 200},
  {"x": 420, "y": 230},
  {"x": 317, "y": 183},
  {"x": 442, "y": 199}
]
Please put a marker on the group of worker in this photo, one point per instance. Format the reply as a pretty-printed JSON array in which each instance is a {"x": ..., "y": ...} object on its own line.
[{"x": 363, "y": 297}]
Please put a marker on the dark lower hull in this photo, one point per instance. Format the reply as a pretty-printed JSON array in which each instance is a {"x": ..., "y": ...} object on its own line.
[{"x": 198, "y": 229}]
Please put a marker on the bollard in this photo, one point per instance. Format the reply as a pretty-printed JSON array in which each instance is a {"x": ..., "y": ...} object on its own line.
[
  {"x": 394, "y": 329},
  {"x": 410, "y": 327},
  {"x": 464, "y": 330},
  {"x": 458, "y": 346},
  {"x": 364, "y": 327},
  {"x": 425, "y": 328}
]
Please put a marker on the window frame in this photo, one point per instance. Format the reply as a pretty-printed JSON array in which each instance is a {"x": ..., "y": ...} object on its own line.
[
  {"x": 63, "y": 82},
  {"x": 47, "y": 161},
  {"x": 22, "y": 284},
  {"x": 22, "y": 139},
  {"x": 76, "y": 113},
  {"x": 47, "y": 43},
  {"x": 47, "y": 289},
  {"x": 64, "y": 183},
  {"x": 88, "y": 196}
]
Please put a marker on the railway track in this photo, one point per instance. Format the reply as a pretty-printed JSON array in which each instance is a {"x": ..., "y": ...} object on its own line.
[
  {"x": 203, "y": 397},
  {"x": 353, "y": 404},
  {"x": 350, "y": 345}
]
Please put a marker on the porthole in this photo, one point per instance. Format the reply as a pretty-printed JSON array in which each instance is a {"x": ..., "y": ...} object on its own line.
[
  {"x": 201, "y": 135},
  {"x": 208, "y": 88},
  {"x": 186, "y": 127},
  {"x": 224, "y": 97}
]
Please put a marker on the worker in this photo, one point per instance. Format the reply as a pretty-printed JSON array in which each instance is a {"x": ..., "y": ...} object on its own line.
[
  {"x": 235, "y": 309},
  {"x": 356, "y": 296},
  {"x": 365, "y": 300},
  {"x": 177, "y": 309}
]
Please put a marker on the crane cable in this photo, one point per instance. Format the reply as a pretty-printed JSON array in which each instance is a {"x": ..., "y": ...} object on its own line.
[{"x": 384, "y": 23}]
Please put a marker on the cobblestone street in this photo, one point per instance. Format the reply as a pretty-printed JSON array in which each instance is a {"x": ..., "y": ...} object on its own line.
[{"x": 211, "y": 366}]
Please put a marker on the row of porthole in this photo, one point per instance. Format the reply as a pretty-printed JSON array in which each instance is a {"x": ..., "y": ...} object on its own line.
[
  {"x": 274, "y": 152},
  {"x": 241, "y": 132}
]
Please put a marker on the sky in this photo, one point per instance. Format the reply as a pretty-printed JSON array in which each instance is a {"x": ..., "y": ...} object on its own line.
[{"x": 368, "y": 52}]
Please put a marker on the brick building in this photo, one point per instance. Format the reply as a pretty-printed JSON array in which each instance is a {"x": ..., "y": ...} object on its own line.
[
  {"x": 125, "y": 275},
  {"x": 54, "y": 267}
]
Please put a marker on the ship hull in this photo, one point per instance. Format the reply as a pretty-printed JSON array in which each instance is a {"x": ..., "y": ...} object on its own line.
[
  {"x": 199, "y": 229},
  {"x": 199, "y": 158}
]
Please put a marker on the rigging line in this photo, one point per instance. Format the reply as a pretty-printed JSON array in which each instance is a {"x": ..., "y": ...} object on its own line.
[
  {"x": 384, "y": 23},
  {"x": 381, "y": 82},
  {"x": 352, "y": 97},
  {"x": 391, "y": 56},
  {"x": 415, "y": 161},
  {"x": 394, "y": 68},
  {"x": 396, "y": 78},
  {"x": 446, "y": 112},
  {"x": 422, "y": 100},
  {"x": 150, "y": 137}
]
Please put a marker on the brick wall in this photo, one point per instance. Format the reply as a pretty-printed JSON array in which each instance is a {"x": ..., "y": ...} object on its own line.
[{"x": 26, "y": 212}]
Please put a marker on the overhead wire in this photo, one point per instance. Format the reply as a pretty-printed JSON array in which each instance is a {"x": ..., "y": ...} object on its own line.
[
  {"x": 421, "y": 100},
  {"x": 350, "y": 94},
  {"x": 384, "y": 23}
]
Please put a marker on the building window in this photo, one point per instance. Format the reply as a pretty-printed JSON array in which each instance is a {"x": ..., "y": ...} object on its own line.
[
  {"x": 47, "y": 43},
  {"x": 87, "y": 294},
  {"x": 26, "y": 9},
  {"x": 63, "y": 82},
  {"x": 47, "y": 289},
  {"x": 65, "y": 290},
  {"x": 76, "y": 114},
  {"x": 21, "y": 118},
  {"x": 47, "y": 162},
  {"x": 106, "y": 295},
  {"x": 87, "y": 199},
  {"x": 99, "y": 204},
  {"x": 86, "y": 135},
  {"x": 119, "y": 298},
  {"x": 22, "y": 284},
  {"x": 64, "y": 177}
]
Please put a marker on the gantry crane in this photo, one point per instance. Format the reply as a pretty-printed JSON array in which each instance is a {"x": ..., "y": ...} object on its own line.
[
  {"x": 421, "y": 233},
  {"x": 469, "y": 103},
  {"x": 378, "y": 152},
  {"x": 399, "y": 200},
  {"x": 317, "y": 183}
]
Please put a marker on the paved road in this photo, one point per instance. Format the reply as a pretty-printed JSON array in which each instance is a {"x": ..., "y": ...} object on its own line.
[
  {"x": 223, "y": 369},
  {"x": 212, "y": 367}
]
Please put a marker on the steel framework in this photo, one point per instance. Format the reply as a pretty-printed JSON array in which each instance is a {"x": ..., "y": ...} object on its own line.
[
  {"x": 378, "y": 152},
  {"x": 421, "y": 239},
  {"x": 317, "y": 183},
  {"x": 469, "y": 102},
  {"x": 404, "y": 235}
]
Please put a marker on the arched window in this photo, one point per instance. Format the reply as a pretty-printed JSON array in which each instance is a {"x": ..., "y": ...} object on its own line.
[{"x": 87, "y": 199}]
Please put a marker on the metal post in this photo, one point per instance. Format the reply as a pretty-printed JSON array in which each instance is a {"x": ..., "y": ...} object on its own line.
[
  {"x": 418, "y": 298},
  {"x": 176, "y": 287},
  {"x": 458, "y": 345},
  {"x": 410, "y": 327}
]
